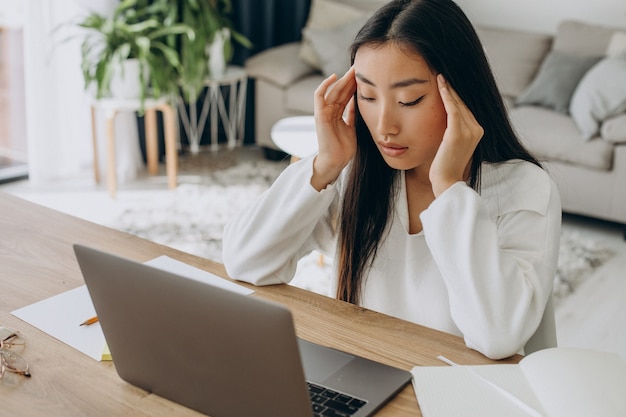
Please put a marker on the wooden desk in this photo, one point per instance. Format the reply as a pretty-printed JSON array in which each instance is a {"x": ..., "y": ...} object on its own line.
[{"x": 37, "y": 261}]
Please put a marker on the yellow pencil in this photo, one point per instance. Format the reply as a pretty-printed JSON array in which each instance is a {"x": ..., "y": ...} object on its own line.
[{"x": 90, "y": 321}]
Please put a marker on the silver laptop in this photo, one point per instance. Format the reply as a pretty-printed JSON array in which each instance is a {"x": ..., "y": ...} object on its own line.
[{"x": 222, "y": 353}]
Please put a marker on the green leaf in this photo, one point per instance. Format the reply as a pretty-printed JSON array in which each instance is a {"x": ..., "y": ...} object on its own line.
[
  {"x": 245, "y": 42},
  {"x": 143, "y": 45},
  {"x": 123, "y": 52},
  {"x": 123, "y": 6},
  {"x": 140, "y": 27},
  {"x": 174, "y": 30},
  {"x": 170, "y": 54}
]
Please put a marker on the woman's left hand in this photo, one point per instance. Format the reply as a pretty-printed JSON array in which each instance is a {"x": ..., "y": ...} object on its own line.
[{"x": 462, "y": 134}]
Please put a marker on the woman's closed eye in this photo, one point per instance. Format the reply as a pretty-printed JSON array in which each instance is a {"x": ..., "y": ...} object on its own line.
[
  {"x": 412, "y": 103},
  {"x": 402, "y": 103}
]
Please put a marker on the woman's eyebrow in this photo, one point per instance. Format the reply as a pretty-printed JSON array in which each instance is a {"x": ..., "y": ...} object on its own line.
[
  {"x": 399, "y": 84},
  {"x": 408, "y": 82},
  {"x": 362, "y": 78}
]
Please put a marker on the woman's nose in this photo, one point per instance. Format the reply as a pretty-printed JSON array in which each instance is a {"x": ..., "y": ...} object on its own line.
[{"x": 387, "y": 122}]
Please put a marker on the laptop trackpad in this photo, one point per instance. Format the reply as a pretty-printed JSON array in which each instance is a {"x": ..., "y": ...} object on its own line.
[{"x": 320, "y": 362}]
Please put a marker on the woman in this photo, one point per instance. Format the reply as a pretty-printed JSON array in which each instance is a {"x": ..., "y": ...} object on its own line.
[{"x": 434, "y": 211}]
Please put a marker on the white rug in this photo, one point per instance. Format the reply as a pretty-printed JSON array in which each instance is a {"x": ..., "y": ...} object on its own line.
[
  {"x": 578, "y": 257},
  {"x": 191, "y": 218}
]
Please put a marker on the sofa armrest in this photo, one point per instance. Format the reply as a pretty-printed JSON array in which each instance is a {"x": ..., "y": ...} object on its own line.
[
  {"x": 280, "y": 65},
  {"x": 614, "y": 129}
]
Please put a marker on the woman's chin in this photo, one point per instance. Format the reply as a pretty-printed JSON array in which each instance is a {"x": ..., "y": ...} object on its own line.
[{"x": 398, "y": 163}]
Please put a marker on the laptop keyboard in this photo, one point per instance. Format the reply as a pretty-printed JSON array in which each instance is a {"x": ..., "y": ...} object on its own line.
[{"x": 329, "y": 403}]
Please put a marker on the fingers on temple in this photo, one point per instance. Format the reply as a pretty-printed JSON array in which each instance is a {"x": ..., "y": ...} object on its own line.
[
  {"x": 448, "y": 95},
  {"x": 343, "y": 90},
  {"x": 448, "y": 100},
  {"x": 334, "y": 89},
  {"x": 350, "y": 111},
  {"x": 452, "y": 101}
]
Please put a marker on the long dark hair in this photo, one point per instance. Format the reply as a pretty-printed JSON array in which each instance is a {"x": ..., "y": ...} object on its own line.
[{"x": 439, "y": 31}]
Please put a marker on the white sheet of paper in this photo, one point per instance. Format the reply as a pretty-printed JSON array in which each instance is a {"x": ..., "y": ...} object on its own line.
[
  {"x": 60, "y": 316},
  {"x": 177, "y": 267}
]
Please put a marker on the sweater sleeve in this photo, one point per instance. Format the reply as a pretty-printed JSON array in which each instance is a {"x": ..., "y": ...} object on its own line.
[
  {"x": 263, "y": 243},
  {"x": 498, "y": 263}
]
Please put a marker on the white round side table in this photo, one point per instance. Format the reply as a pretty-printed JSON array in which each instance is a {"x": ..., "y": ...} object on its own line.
[{"x": 295, "y": 136}]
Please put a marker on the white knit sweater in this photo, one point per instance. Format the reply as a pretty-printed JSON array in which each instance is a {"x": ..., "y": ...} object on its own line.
[{"x": 482, "y": 268}]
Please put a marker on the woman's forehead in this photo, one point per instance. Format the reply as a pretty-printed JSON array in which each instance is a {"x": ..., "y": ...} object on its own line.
[{"x": 390, "y": 60}]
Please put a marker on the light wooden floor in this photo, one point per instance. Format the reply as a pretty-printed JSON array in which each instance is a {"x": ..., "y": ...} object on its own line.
[{"x": 593, "y": 317}]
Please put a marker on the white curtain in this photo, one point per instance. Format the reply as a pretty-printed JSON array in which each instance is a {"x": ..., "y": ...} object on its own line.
[{"x": 58, "y": 121}]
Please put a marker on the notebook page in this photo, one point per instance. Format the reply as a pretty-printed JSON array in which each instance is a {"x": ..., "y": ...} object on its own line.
[
  {"x": 577, "y": 382},
  {"x": 454, "y": 391}
]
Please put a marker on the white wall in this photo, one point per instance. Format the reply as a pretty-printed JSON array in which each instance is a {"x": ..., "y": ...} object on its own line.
[
  {"x": 543, "y": 15},
  {"x": 11, "y": 13},
  {"x": 58, "y": 123}
]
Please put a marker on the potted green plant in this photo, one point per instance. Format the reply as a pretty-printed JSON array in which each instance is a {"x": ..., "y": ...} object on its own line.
[
  {"x": 141, "y": 30},
  {"x": 210, "y": 20}
]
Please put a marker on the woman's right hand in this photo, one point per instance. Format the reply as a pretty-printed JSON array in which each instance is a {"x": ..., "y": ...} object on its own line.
[{"x": 336, "y": 136}]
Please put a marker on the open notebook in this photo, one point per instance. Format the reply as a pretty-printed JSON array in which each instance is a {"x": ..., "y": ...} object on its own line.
[{"x": 550, "y": 383}]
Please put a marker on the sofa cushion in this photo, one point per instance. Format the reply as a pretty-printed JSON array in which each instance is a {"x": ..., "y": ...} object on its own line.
[
  {"x": 600, "y": 94},
  {"x": 299, "y": 97},
  {"x": 617, "y": 44},
  {"x": 325, "y": 15},
  {"x": 556, "y": 81},
  {"x": 551, "y": 135},
  {"x": 614, "y": 129},
  {"x": 279, "y": 65},
  {"x": 332, "y": 46},
  {"x": 580, "y": 38},
  {"x": 514, "y": 56}
]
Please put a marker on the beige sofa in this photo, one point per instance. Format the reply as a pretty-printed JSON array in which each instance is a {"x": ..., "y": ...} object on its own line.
[{"x": 566, "y": 96}]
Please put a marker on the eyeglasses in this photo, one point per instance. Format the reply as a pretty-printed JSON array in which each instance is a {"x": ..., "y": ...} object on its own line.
[{"x": 10, "y": 361}]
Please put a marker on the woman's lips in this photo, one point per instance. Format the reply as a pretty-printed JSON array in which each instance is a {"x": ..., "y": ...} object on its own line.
[{"x": 391, "y": 149}]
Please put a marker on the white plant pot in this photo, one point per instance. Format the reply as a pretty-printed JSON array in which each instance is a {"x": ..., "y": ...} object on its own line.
[
  {"x": 217, "y": 63},
  {"x": 125, "y": 83}
]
